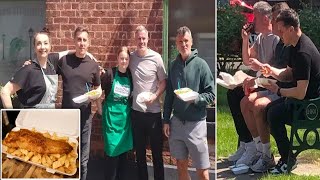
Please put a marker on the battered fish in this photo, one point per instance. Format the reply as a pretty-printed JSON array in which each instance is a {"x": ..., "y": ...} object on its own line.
[{"x": 36, "y": 142}]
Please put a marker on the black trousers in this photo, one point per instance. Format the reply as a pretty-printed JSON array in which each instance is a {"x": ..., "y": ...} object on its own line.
[
  {"x": 86, "y": 126},
  {"x": 278, "y": 115},
  {"x": 234, "y": 97},
  {"x": 115, "y": 167},
  {"x": 148, "y": 126}
]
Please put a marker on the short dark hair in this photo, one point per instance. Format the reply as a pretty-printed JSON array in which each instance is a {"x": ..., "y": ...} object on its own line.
[
  {"x": 80, "y": 29},
  {"x": 279, "y": 7},
  {"x": 183, "y": 30},
  {"x": 289, "y": 17}
]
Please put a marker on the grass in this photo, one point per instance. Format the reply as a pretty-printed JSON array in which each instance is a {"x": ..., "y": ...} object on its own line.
[{"x": 227, "y": 138}]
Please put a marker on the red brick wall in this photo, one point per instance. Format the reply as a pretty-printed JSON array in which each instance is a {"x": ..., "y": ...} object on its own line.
[{"x": 111, "y": 24}]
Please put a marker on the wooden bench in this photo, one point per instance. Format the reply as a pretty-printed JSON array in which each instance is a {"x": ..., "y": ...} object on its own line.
[{"x": 306, "y": 120}]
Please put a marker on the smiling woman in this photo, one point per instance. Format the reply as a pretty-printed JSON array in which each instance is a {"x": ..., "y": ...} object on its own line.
[{"x": 35, "y": 84}]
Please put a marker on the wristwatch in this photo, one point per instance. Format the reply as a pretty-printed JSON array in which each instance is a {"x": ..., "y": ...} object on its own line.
[{"x": 278, "y": 92}]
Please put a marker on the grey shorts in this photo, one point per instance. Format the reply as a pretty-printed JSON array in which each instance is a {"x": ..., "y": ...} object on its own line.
[
  {"x": 189, "y": 138},
  {"x": 270, "y": 95}
]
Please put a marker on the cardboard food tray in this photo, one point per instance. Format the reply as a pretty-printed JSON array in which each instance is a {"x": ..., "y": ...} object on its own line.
[
  {"x": 187, "y": 96},
  {"x": 64, "y": 123}
]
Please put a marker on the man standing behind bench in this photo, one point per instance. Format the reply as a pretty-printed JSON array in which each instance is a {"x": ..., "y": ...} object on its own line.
[{"x": 187, "y": 129}]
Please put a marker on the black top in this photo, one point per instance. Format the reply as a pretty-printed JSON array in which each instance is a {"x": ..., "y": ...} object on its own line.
[
  {"x": 107, "y": 79},
  {"x": 31, "y": 81},
  {"x": 305, "y": 64},
  {"x": 282, "y": 59},
  {"x": 77, "y": 74}
]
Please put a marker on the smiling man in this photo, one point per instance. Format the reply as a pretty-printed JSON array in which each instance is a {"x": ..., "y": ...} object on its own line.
[
  {"x": 148, "y": 75},
  {"x": 79, "y": 72},
  {"x": 187, "y": 128}
]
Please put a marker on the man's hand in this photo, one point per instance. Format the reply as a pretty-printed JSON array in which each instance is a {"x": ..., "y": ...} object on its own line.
[
  {"x": 266, "y": 70},
  {"x": 244, "y": 35},
  {"x": 248, "y": 85},
  {"x": 26, "y": 63},
  {"x": 152, "y": 98},
  {"x": 273, "y": 87},
  {"x": 255, "y": 64},
  {"x": 166, "y": 130}
]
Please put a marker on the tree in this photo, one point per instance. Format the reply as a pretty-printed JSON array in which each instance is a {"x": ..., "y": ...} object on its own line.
[{"x": 229, "y": 25}]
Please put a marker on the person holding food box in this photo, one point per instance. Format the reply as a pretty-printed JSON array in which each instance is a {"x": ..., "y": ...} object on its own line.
[
  {"x": 80, "y": 74},
  {"x": 239, "y": 99},
  {"x": 149, "y": 82},
  {"x": 189, "y": 78},
  {"x": 304, "y": 69},
  {"x": 116, "y": 125},
  {"x": 36, "y": 85}
]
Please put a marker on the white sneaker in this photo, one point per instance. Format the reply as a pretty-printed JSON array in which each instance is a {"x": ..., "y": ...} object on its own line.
[
  {"x": 237, "y": 155},
  {"x": 264, "y": 163},
  {"x": 250, "y": 156}
]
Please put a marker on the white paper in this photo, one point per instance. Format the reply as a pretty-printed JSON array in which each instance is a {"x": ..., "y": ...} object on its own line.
[
  {"x": 230, "y": 82},
  {"x": 142, "y": 98}
]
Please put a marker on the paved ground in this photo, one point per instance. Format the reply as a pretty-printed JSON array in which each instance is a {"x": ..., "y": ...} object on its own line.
[
  {"x": 304, "y": 168},
  {"x": 96, "y": 169}
]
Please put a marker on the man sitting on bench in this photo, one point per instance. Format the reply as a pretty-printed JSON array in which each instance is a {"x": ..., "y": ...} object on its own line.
[{"x": 304, "y": 68}]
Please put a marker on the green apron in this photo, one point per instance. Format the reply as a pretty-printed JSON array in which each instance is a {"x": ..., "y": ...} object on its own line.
[{"x": 116, "y": 123}]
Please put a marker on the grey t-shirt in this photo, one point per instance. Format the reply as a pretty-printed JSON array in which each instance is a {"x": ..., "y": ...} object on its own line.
[
  {"x": 265, "y": 47},
  {"x": 146, "y": 72}
]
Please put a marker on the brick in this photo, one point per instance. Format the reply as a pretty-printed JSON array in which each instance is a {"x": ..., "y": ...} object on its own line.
[
  {"x": 131, "y": 13},
  {"x": 144, "y": 13},
  {"x": 76, "y": 20},
  {"x": 55, "y": 41},
  {"x": 85, "y": 13},
  {"x": 49, "y": 20},
  {"x": 122, "y": 6},
  {"x": 99, "y": 6},
  {"x": 106, "y": 6},
  {"x": 112, "y": 27},
  {"x": 157, "y": 5},
  {"x": 122, "y": 35},
  {"x": 114, "y": 6},
  {"x": 75, "y": 6},
  {"x": 53, "y": 27},
  {"x": 69, "y": 27},
  {"x": 91, "y": 20},
  {"x": 58, "y": 20},
  {"x": 147, "y": 5},
  {"x": 98, "y": 27},
  {"x": 155, "y": 13},
  {"x": 67, "y": 41},
  {"x": 155, "y": 20},
  {"x": 156, "y": 36},
  {"x": 91, "y": 6},
  {"x": 68, "y": 34},
  {"x": 134, "y": 6},
  {"x": 97, "y": 34},
  {"x": 150, "y": 27},
  {"x": 60, "y": 48},
  {"x": 129, "y": 27},
  {"x": 114, "y": 13},
  {"x": 159, "y": 27},
  {"x": 51, "y": 6},
  {"x": 99, "y": 13},
  {"x": 107, "y": 21},
  {"x": 52, "y": 13},
  {"x": 84, "y": 6},
  {"x": 68, "y": 13},
  {"x": 122, "y": 20},
  {"x": 67, "y": 6},
  {"x": 106, "y": 35},
  {"x": 138, "y": 20}
]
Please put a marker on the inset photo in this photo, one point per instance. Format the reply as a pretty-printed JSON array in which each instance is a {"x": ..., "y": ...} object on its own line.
[
  {"x": 40, "y": 143},
  {"x": 268, "y": 74}
]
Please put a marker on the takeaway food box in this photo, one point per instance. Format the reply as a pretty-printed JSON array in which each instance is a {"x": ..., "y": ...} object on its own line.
[{"x": 57, "y": 130}]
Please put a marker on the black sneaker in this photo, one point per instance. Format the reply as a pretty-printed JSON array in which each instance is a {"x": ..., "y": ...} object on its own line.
[{"x": 281, "y": 167}]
